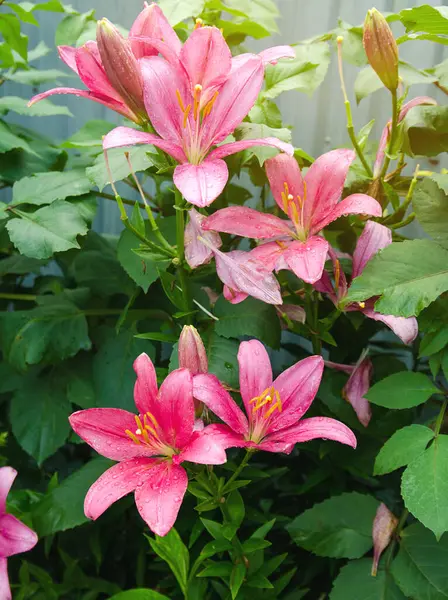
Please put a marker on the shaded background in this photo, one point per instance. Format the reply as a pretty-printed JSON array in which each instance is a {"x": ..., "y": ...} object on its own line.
[{"x": 318, "y": 122}]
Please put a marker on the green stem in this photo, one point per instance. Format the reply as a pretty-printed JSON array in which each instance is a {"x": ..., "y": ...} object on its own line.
[
  {"x": 404, "y": 222},
  {"x": 312, "y": 316},
  {"x": 393, "y": 134},
  {"x": 124, "y": 200},
  {"x": 242, "y": 466},
  {"x": 401, "y": 524},
  {"x": 348, "y": 112},
  {"x": 180, "y": 241},
  {"x": 26, "y": 297},
  {"x": 440, "y": 417}
]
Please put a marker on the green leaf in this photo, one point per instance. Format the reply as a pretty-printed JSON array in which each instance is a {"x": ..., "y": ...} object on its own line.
[
  {"x": 118, "y": 165},
  {"x": 101, "y": 272},
  {"x": 71, "y": 27},
  {"x": 20, "y": 265},
  {"x": 24, "y": 15},
  {"x": 355, "y": 576},
  {"x": 36, "y": 77},
  {"x": 10, "y": 141},
  {"x": 251, "y": 317},
  {"x": 139, "y": 594},
  {"x": 44, "y": 108},
  {"x": 173, "y": 551},
  {"x": 45, "y": 188},
  {"x": 430, "y": 19},
  {"x": 250, "y": 131},
  {"x": 236, "y": 579},
  {"x": 113, "y": 374},
  {"x": 63, "y": 507},
  {"x": 180, "y": 10},
  {"x": 409, "y": 275},
  {"x": 305, "y": 73},
  {"x": 266, "y": 112},
  {"x": 367, "y": 82},
  {"x": 340, "y": 527},
  {"x": 420, "y": 566},
  {"x": 10, "y": 29},
  {"x": 425, "y": 484},
  {"x": 235, "y": 508},
  {"x": 352, "y": 48},
  {"x": 402, "y": 390},
  {"x": 44, "y": 334},
  {"x": 434, "y": 342},
  {"x": 430, "y": 203},
  {"x": 402, "y": 448},
  {"x": 425, "y": 131},
  {"x": 89, "y": 136},
  {"x": 262, "y": 12},
  {"x": 39, "y": 417}
]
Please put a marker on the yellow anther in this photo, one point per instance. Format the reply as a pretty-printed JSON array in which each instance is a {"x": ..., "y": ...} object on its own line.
[
  {"x": 198, "y": 23},
  {"x": 132, "y": 436},
  {"x": 146, "y": 436},
  {"x": 197, "y": 89},
  {"x": 285, "y": 202},
  {"x": 293, "y": 212},
  {"x": 361, "y": 304},
  {"x": 139, "y": 423},
  {"x": 304, "y": 190},
  {"x": 282, "y": 245},
  {"x": 269, "y": 396},
  {"x": 197, "y": 95},
  {"x": 209, "y": 106},
  {"x": 337, "y": 273},
  {"x": 186, "y": 113},
  {"x": 290, "y": 198},
  {"x": 180, "y": 101},
  {"x": 152, "y": 418}
]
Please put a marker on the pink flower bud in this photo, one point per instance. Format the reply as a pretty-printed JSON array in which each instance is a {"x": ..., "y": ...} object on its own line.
[
  {"x": 384, "y": 525},
  {"x": 191, "y": 351},
  {"x": 121, "y": 66},
  {"x": 381, "y": 48}
]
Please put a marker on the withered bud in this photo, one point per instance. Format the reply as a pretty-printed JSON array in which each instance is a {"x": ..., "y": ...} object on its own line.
[
  {"x": 384, "y": 525},
  {"x": 191, "y": 351},
  {"x": 121, "y": 66},
  {"x": 381, "y": 48}
]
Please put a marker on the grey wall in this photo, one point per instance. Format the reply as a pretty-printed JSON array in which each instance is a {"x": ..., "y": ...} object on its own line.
[{"x": 319, "y": 121}]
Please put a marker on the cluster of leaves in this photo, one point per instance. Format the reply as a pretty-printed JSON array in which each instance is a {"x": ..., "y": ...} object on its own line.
[{"x": 77, "y": 308}]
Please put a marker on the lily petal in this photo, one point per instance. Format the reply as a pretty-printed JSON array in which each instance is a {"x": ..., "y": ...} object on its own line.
[
  {"x": 93, "y": 75},
  {"x": 374, "y": 238},
  {"x": 325, "y": 181},
  {"x": 68, "y": 55},
  {"x": 5, "y": 590},
  {"x": 284, "y": 172},
  {"x": 159, "y": 499},
  {"x": 314, "y": 428},
  {"x": 357, "y": 387},
  {"x": 104, "y": 429},
  {"x": 126, "y": 136},
  {"x": 7, "y": 476},
  {"x": 356, "y": 204},
  {"x": 233, "y": 296},
  {"x": 177, "y": 407},
  {"x": 206, "y": 447},
  {"x": 15, "y": 537},
  {"x": 115, "y": 483},
  {"x": 297, "y": 387},
  {"x": 272, "y": 55},
  {"x": 152, "y": 23},
  {"x": 145, "y": 388},
  {"x": 209, "y": 390},
  {"x": 307, "y": 259},
  {"x": 206, "y": 58},
  {"x": 197, "y": 253},
  {"x": 203, "y": 183},
  {"x": 247, "y": 222},
  {"x": 234, "y": 147},
  {"x": 406, "y": 328},
  {"x": 255, "y": 371}
]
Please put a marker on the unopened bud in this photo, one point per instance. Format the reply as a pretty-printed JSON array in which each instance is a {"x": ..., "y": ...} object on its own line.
[
  {"x": 121, "y": 66},
  {"x": 384, "y": 525},
  {"x": 381, "y": 48},
  {"x": 191, "y": 351}
]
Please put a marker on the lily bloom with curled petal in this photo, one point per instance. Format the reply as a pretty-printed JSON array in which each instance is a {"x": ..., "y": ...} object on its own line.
[
  {"x": 311, "y": 203},
  {"x": 188, "y": 128},
  {"x": 15, "y": 537},
  {"x": 374, "y": 238},
  {"x": 274, "y": 408},
  {"x": 149, "y": 446}
]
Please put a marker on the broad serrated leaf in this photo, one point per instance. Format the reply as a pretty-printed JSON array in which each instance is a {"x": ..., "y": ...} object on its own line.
[
  {"x": 48, "y": 230},
  {"x": 425, "y": 484},
  {"x": 44, "y": 108},
  {"x": 430, "y": 204},
  {"x": 420, "y": 566},
  {"x": 425, "y": 131},
  {"x": 340, "y": 527},
  {"x": 402, "y": 448},
  {"x": 119, "y": 166},
  {"x": 356, "y": 576},
  {"x": 250, "y": 131},
  {"x": 402, "y": 390},
  {"x": 89, "y": 136},
  {"x": 45, "y": 188},
  {"x": 63, "y": 507},
  {"x": 408, "y": 275}
]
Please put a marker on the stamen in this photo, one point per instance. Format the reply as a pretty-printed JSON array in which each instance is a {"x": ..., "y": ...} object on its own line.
[
  {"x": 198, "y": 23},
  {"x": 285, "y": 202},
  {"x": 180, "y": 101},
  {"x": 138, "y": 432},
  {"x": 361, "y": 304},
  {"x": 152, "y": 418},
  {"x": 337, "y": 274},
  {"x": 139, "y": 423},
  {"x": 295, "y": 214},
  {"x": 186, "y": 113},
  {"x": 282, "y": 245},
  {"x": 197, "y": 96},
  {"x": 132, "y": 436},
  {"x": 209, "y": 106},
  {"x": 146, "y": 436}
]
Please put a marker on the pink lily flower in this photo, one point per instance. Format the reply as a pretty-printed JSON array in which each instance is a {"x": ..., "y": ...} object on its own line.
[
  {"x": 188, "y": 128},
  {"x": 15, "y": 537},
  {"x": 374, "y": 238},
  {"x": 386, "y": 131},
  {"x": 274, "y": 408},
  {"x": 149, "y": 446},
  {"x": 196, "y": 252},
  {"x": 310, "y": 203},
  {"x": 357, "y": 386}
]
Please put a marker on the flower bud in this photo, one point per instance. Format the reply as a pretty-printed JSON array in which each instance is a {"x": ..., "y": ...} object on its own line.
[
  {"x": 381, "y": 48},
  {"x": 384, "y": 525},
  {"x": 121, "y": 66},
  {"x": 191, "y": 351}
]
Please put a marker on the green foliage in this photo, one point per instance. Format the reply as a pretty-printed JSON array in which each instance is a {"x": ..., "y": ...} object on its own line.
[
  {"x": 402, "y": 448},
  {"x": 356, "y": 576},
  {"x": 425, "y": 131},
  {"x": 402, "y": 390},
  {"x": 172, "y": 550},
  {"x": 430, "y": 202}
]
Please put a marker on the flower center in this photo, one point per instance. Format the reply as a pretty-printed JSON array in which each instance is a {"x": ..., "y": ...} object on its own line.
[
  {"x": 148, "y": 433},
  {"x": 264, "y": 406},
  {"x": 293, "y": 207}
]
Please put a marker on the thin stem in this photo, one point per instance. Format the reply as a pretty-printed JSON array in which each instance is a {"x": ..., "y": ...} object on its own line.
[
  {"x": 312, "y": 315},
  {"x": 348, "y": 111},
  {"x": 242, "y": 466},
  {"x": 393, "y": 134},
  {"x": 404, "y": 222},
  {"x": 26, "y": 297},
  {"x": 440, "y": 417},
  {"x": 180, "y": 229},
  {"x": 124, "y": 200},
  {"x": 401, "y": 524}
]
